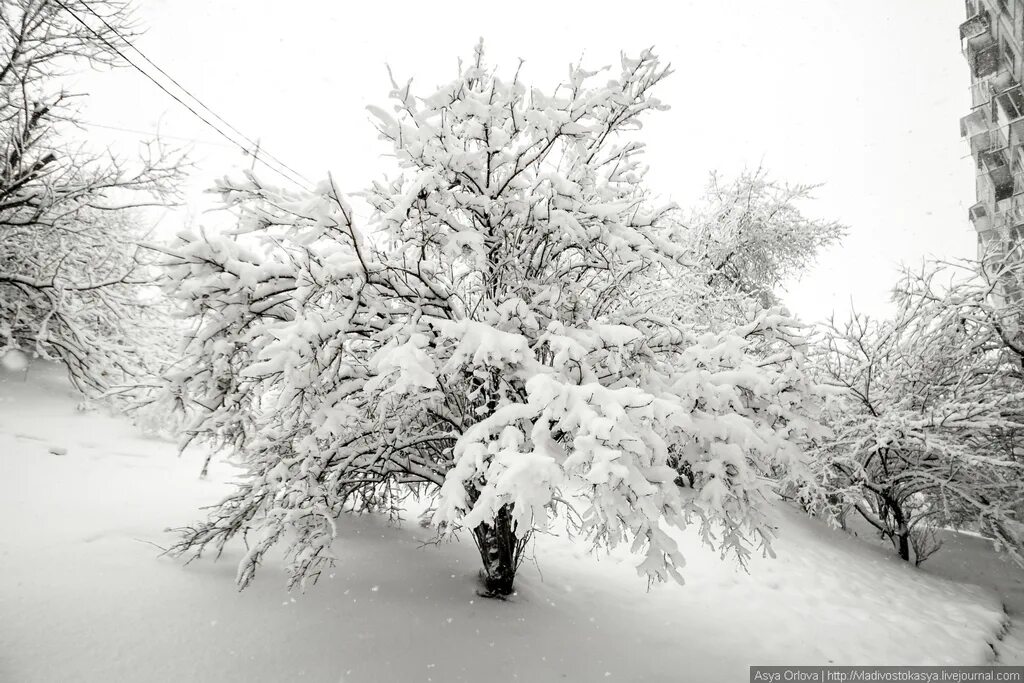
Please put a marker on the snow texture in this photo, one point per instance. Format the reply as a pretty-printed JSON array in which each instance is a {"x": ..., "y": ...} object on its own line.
[{"x": 85, "y": 597}]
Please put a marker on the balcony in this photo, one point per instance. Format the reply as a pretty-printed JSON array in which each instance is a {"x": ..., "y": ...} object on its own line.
[
  {"x": 1001, "y": 80},
  {"x": 996, "y": 179},
  {"x": 981, "y": 93},
  {"x": 982, "y": 142},
  {"x": 1009, "y": 212},
  {"x": 994, "y": 160},
  {"x": 986, "y": 240},
  {"x": 1010, "y": 113},
  {"x": 983, "y": 89},
  {"x": 976, "y": 25},
  {"x": 1000, "y": 208},
  {"x": 1002, "y": 185},
  {"x": 1011, "y": 103},
  {"x": 979, "y": 216},
  {"x": 983, "y": 55},
  {"x": 1003, "y": 262},
  {"x": 975, "y": 123}
]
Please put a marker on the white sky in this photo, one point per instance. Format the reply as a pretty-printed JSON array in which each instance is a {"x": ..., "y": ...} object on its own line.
[{"x": 862, "y": 96}]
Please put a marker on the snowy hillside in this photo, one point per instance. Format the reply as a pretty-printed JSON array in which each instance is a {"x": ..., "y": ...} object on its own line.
[{"x": 85, "y": 597}]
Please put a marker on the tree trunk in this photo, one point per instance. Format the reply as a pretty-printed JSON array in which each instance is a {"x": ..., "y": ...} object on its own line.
[
  {"x": 902, "y": 531},
  {"x": 500, "y": 550},
  {"x": 903, "y": 536}
]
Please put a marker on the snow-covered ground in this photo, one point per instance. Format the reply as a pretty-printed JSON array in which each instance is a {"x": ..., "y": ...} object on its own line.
[
  {"x": 969, "y": 558},
  {"x": 85, "y": 597}
]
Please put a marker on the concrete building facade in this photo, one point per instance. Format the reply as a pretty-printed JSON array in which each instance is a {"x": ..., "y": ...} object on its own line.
[{"x": 992, "y": 38}]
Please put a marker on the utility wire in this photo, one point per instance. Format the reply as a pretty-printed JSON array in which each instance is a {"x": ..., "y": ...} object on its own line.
[
  {"x": 155, "y": 134},
  {"x": 135, "y": 66},
  {"x": 254, "y": 143}
]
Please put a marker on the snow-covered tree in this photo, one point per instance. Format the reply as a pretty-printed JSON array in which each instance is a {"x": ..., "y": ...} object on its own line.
[
  {"x": 750, "y": 235},
  {"x": 70, "y": 267},
  {"x": 509, "y": 334},
  {"x": 928, "y": 430}
]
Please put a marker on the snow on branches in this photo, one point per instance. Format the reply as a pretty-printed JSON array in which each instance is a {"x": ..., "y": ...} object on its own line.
[
  {"x": 72, "y": 277},
  {"x": 750, "y": 235},
  {"x": 507, "y": 333},
  {"x": 928, "y": 430}
]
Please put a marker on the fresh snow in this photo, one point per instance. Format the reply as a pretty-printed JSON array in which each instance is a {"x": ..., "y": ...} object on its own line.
[
  {"x": 85, "y": 596},
  {"x": 13, "y": 360},
  {"x": 969, "y": 558}
]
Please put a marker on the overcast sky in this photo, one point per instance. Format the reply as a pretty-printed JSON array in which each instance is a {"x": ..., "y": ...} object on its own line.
[{"x": 861, "y": 96}]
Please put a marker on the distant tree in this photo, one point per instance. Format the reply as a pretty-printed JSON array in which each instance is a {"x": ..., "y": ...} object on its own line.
[
  {"x": 750, "y": 235},
  {"x": 71, "y": 273},
  {"x": 509, "y": 334},
  {"x": 928, "y": 429}
]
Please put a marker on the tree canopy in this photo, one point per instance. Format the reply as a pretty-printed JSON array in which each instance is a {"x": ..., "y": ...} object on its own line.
[{"x": 509, "y": 332}]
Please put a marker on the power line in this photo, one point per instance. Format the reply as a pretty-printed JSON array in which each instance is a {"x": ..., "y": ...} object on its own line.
[
  {"x": 156, "y": 134},
  {"x": 135, "y": 66},
  {"x": 253, "y": 143}
]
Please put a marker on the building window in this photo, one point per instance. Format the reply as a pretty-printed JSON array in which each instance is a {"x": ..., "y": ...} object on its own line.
[{"x": 971, "y": 8}]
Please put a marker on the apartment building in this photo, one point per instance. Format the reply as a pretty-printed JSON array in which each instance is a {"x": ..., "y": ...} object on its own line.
[{"x": 992, "y": 37}]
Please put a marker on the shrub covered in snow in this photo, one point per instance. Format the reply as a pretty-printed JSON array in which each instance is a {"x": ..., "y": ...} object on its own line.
[{"x": 516, "y": 333}]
